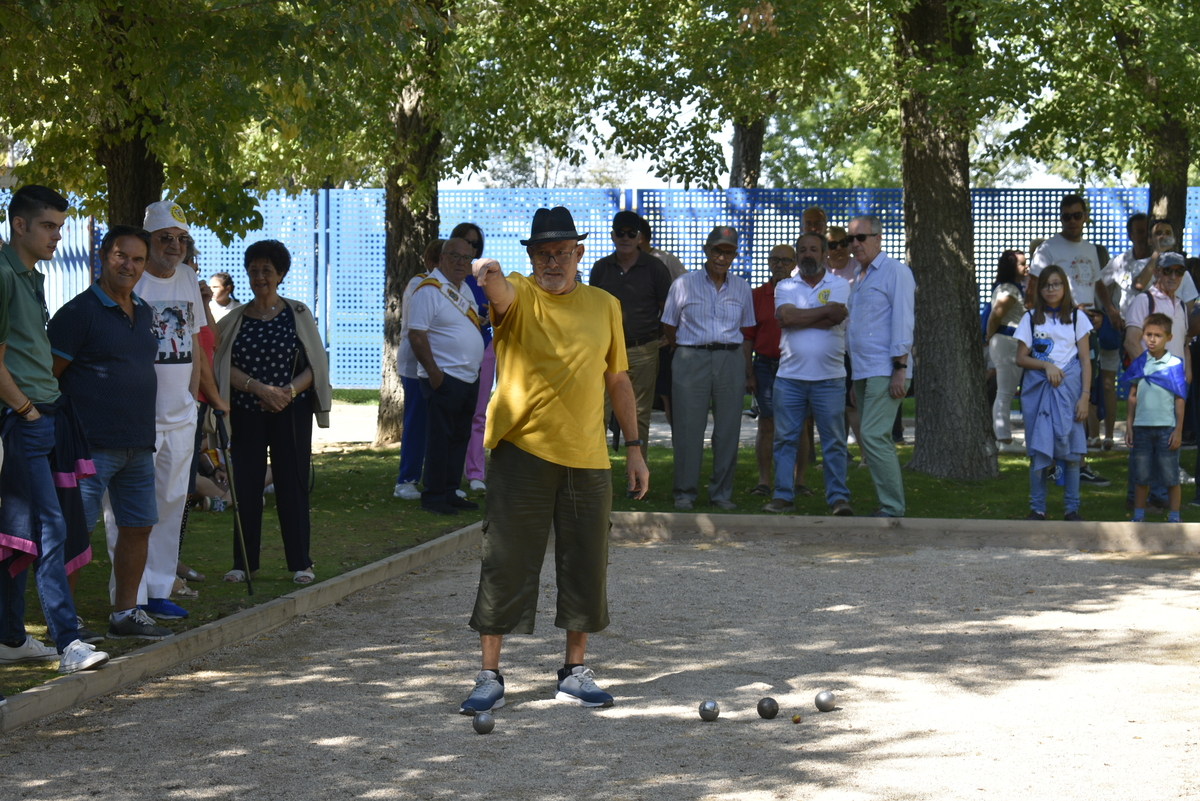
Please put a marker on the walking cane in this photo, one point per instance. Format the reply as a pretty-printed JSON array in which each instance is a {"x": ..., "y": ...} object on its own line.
[{"x": 223, "y": 443}]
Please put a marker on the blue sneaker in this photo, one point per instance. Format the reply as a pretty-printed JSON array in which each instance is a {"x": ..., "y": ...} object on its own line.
[
  {"x": 164, "y": 609},
  {"x": 487, "y": 696},
  {"x": 578, "y": 687}
]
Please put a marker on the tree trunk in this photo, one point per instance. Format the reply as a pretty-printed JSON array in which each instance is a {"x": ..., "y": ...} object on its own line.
[
  {"x": 134, "y": 175},
  {"x": 1168, "y": 153},
  {"x": 954, "y": 434},
  {"x": 411, "y": 222},
  {"x": 747, "y": 153},
  {"x": 1167, "y": 173}
]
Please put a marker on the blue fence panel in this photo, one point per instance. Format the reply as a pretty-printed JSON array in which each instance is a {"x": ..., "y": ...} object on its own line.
[
  {"x": 355, "y": 237},
  {"x": 505, "y": 215},
  {"x": 291, "y": 219}
]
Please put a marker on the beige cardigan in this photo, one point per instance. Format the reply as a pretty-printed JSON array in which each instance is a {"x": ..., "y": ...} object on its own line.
[{"x": 314, "y": 349}]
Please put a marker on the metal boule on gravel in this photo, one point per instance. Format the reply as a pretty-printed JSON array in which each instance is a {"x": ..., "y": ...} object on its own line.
[
  {"x": 483, "y": 723},
  {"x": 825, "y": 701},
  {"x": 768, "y": 708},
  {"x": 709, "y": 710}
]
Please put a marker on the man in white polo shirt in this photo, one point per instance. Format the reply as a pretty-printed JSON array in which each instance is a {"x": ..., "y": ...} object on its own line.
[
  {"x": 443, "y": 330},
  {"x": 811, "y": 380}
]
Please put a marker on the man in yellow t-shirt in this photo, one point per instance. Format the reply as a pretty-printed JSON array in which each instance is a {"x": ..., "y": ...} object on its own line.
[{"x": 559, "y": 346}]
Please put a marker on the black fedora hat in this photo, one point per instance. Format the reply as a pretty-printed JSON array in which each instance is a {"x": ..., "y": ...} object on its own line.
[{"x": 552, "y": 225}]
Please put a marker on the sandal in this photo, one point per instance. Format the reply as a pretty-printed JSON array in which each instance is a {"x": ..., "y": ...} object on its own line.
[
  {"x": 182, "y": 590},
  {"x": 761, "y": 490},
  {"x": 1108, "y": 443},
  {"x": 304, "y": 576},
  {"x": 802, "y": 491},
  {"x": 234, "y": 576}
]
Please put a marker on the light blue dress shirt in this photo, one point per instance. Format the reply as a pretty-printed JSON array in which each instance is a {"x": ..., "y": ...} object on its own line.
[{"x": 880, "y": 326}]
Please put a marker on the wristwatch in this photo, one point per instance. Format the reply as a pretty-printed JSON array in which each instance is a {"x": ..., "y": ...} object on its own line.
[
  {"x": 629, "y": 442},
  {"x": 899, "y": 365},
  {"x": 292, "y": 387}
]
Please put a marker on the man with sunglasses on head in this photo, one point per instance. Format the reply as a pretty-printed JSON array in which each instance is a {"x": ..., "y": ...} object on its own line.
[
  {"x": 641, "y": 283},
  {"x": 1080, "y": 262},
  {"x": 879, "y": 338},
  {"x": 174, "y": 296},
  {"x": 705, "y": 313}
]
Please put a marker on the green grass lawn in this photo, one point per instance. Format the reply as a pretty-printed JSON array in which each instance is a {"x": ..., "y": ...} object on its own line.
[{"x": 356, "y": 521}]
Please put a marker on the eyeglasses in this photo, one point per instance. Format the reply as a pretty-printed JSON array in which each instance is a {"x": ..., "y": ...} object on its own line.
[
  {"x": 543, "y": 259},
  {"x": 1057, "y": 285},
  {"x": 839, "y": 243},
  {"x": 627, "y": 233},
  {"x": 1176, "y": 271},
  {"x": 1067, "y": 216},
  {"x": 183, "y": 239},
  {"x": 859, "y": 237},
  {"x": 781, "y": 260},
  {"x": 723, "y": 254},
  {"x": 458, "y": 258}
]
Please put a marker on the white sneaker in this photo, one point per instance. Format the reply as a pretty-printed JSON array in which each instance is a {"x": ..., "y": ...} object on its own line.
[
  {"x": 478, "y": 486},
  {"x": 461, "y": 494},
  {"x": 81, "y": 656},
  {"x": 408, "y": 492},
  {"x": 29, "y": 651}
]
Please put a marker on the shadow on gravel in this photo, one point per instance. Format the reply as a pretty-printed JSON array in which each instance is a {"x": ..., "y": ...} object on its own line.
[{"x": 359, "y": 701}]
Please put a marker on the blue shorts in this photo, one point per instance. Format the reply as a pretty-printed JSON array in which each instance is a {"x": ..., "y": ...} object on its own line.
[
  {"x": 128, "y": 475},
  {"x": 764, "y": 377},
  {"x": 1152, "y": 458}
]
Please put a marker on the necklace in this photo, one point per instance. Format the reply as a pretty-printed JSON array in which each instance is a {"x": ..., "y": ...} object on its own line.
[{"x": 267, "y": 313}]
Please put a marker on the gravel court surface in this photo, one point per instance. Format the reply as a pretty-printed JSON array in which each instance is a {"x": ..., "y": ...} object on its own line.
[{"x": 991, "y": 673}]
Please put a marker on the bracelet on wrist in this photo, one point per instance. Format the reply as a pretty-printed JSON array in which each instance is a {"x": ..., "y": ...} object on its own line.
[
  {"x": 25, "y": 409},
  {"x": 247, "y": 387}
]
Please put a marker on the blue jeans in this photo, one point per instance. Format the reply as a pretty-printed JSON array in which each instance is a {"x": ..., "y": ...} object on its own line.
[
  {"x": 412, "y": 436},
  {"x": 1152, "y": 459},
  {"x": 1158, "y": 490},
  {"x": 50, "y": 532},
  {"x": 128, "y": 476},
  {"x": 764, "y": 378},
  {"x": 825, "y": 400},
  {"x": 1037, "y": 488}
]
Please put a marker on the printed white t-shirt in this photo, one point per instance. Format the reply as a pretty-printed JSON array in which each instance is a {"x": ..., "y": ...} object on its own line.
[
  {"x": 1053, "y": 341},
  {"x": 1079, "y": 260},
  {"x": 176, "y": 302}
]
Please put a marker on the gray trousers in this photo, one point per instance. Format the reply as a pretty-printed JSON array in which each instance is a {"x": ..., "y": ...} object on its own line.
[{"x": 701, "y": 378}]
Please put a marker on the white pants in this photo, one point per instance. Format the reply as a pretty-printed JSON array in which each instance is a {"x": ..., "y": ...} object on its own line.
[
  {"x": 173, "y": 452},
  {"x": 1003, "y": 350}
]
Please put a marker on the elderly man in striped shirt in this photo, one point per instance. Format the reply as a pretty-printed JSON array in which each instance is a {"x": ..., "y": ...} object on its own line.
[{"x": 705, "y": 313}]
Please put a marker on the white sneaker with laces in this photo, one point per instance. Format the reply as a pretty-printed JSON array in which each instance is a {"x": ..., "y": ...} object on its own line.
[
  {"x": 408, "y": 492},
  {"x": 81, "y": 656},
  {"x": 29, "y": 651},
  {"x": 579, "y": 687}
]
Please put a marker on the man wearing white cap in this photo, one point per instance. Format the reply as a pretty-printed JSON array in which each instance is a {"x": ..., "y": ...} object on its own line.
[{"x": 174, "y": 296}]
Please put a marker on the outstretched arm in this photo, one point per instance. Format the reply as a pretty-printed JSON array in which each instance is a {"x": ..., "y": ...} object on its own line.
[{"x": 500, "y": 293}]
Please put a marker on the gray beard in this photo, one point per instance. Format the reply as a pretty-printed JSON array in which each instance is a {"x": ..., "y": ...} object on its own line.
[{"x": 809, "y": 266}]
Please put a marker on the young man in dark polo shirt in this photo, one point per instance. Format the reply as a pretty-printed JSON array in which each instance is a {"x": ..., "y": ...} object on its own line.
[
  {"x": 641, "y": 283},
  {"x": 104, "y": 350},
  {"x": 31, "y": 515}
]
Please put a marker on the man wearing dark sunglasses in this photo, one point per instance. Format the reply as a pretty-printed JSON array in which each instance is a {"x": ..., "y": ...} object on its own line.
[
  {"x": 879, "y": 338},
  {"x": 641, "y": 283}
]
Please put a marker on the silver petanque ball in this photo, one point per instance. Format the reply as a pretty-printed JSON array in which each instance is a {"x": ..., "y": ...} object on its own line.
[
  {"x": 483, "y": 722},
  {"x": 768, "y": 708},
  {"x": 709, "y": 710},
  {"x": 825, "y": 701}
]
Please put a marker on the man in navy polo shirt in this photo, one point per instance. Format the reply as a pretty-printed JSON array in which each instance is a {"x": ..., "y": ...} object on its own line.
[{"x": 104, "y": 350}]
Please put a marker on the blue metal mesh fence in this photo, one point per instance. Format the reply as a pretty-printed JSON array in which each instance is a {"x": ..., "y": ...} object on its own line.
[{"x": 336, "y": 238}]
